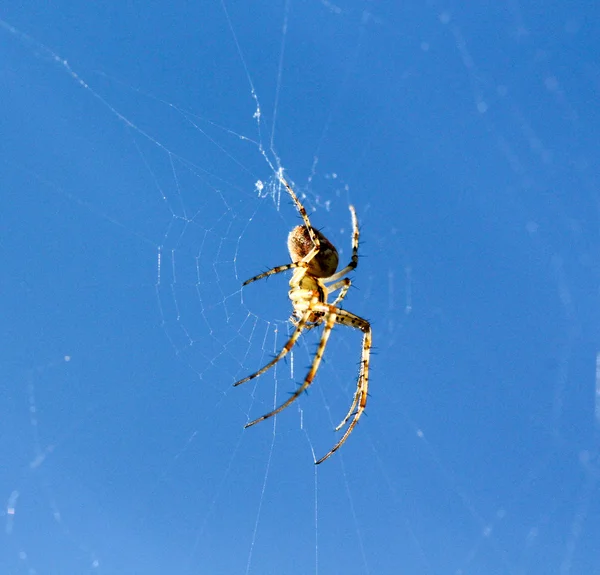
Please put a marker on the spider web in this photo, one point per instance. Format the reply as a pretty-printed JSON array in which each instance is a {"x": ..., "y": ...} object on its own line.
[{"x": 140, "y": 161}]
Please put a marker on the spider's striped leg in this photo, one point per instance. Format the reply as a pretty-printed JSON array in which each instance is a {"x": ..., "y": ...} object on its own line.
[
  {"x": 360, "y": 397},
  {"x": 367, "y": 329},
  {"x": 357, "y": 395},
  {"x": 301, "y": 210},
  {"x": 275, "y": 270},
  {"x": 354, "y": 402},
  {"x": 344, "y": 285},
  {"x": 303, "y": 263},
  {"x": 300, "y": 326},
  {"x": 330, "y": 312},
  {"x": 354, "y": 260}
]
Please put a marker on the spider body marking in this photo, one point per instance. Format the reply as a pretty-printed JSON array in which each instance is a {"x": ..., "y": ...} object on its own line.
[{"x": 314, "y": 261}]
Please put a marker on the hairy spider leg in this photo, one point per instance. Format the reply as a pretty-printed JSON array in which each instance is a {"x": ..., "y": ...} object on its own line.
[
  {"x": 284, "y": 351},
  {"x": 329, "y": 323},
  {"x": 303, "y": 263},
  {"x": 275, "y": 270},
  {"x": 365, "y": 327},
  {"x": 302, "y": 211},
  {"x": 354, "y": 260},
  {"x": 344, "y": 285},
  {"x": 362, "y": 389}
]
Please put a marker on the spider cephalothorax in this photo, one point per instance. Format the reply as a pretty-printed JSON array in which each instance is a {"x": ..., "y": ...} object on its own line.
[{"x": 315, "y": 261}]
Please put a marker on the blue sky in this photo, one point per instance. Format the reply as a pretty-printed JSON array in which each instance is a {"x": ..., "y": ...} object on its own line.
[{"x": 466, "y": 138}]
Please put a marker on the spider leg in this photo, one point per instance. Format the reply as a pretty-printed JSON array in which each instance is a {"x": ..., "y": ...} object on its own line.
[
  {"x": 300, "y": 326},
  {"x": 354, "y": 260},
  {"x": 362, "y": 387},
  {"x": 344, "y": 285},
  {"x": 360, "y": 374},
  {"x": 357, "y": 395},
  {"x": 329, "y": 323},
  {"x": 275, "y": 270},
  {"x": 301, "y": 211},
  {"x": 354, "y": 402},
  {"x": 303, "y": 263},
  {"x": 357, "y": 415}
]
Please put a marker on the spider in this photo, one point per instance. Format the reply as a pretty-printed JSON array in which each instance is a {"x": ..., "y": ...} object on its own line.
[{"x": 315, "y": 261}]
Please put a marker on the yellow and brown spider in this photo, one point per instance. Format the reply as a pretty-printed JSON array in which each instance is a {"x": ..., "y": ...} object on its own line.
[{"x": 315, "y": 261}]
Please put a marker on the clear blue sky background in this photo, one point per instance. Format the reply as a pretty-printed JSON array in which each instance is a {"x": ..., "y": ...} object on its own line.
[{"x": 466, "y": 135}]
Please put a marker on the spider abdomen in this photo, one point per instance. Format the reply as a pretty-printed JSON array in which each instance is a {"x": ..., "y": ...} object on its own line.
[{"x": 325, "y": 262}]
